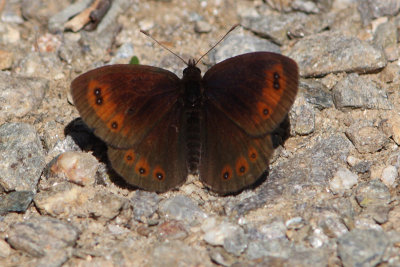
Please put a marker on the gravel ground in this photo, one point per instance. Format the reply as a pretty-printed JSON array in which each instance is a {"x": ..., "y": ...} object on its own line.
[{"x": 332, "y": 194}]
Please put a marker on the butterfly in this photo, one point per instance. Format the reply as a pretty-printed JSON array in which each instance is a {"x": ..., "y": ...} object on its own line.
[{"x": 159, "y": 128}]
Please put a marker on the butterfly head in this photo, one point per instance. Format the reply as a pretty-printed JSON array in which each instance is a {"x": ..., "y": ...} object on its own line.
[{"x": 191, "y": 72}]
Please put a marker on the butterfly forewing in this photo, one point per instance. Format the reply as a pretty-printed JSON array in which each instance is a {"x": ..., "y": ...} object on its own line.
[
  {"x": 255, "y": 90},
  {"x": 122, "y": 103}
]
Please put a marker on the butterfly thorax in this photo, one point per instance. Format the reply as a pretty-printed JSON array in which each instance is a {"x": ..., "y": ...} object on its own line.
[{"x": 191, "y": 80}]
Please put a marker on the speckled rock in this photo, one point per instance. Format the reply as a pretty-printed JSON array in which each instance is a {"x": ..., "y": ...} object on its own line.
[
  {"x": 20, "y": 95},
  {"x": 362, "y": 247},
  {"x": 21, "y": 157},
  {"x": 359, "y": 92},
  {"x": 324, "y": 53},
  {"x": 40, "y": 235},
  {"x": 181, "y": 208}
]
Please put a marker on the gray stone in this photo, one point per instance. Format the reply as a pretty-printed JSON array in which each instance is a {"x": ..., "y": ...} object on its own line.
[
  {"x": 366, "y": 139},
  {"x": 374, "y": 197},
  {"x": 105, "y": 205},
  {"x": 302, "y": 117},
  {"x": 202, "y": 26},
  {"x": 277, "y": 27},
  {"x": 21, "y": 157},
  {"x": 316, "y": 93},
  {"x": 273, "y": 230},
  {"x": 386, "y": 35},
  {"x": 356, "y": 91},
  {"x": 15, "y": 201},
  {"x": 181, "y": 208},
  {"x": 237, "y": 44},
  {"x": 144, "y": 205},
  {"x": 20, "y": 95},
  {"x": 371, "y": 9},
  {"x": 332, "y": 52},
  {"x": 38, "y": 236},
  {"x": 39, "y": 10},
  {"x": 362, "y": 247},
  {"x": 372, "y": 193},
  {"x": 229, "y": 235},
  {"x": 361, "y": 167},
  {"x": 236, "y": 243}
]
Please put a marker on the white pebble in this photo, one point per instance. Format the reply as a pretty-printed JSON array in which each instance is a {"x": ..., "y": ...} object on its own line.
[
  {"x": 389, "y": 175},
  {"x": 343, "y": 180}
]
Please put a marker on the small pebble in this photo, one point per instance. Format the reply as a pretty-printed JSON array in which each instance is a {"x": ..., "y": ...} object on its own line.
[
  {"x": 76, "y": 167},
  {"x": 343, "y": 180},
  {"x": 389, "y": 175}
]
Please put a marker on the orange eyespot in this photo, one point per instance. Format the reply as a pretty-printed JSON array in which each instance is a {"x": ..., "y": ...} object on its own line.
[
  {"x": 142, "y": 168},
  {"x": 242, "y": 166},
  {"x": 226, "y": 173},
  {"x": 116, "y": 122},
  {"x": 252, "y": 154},
  {"x": 129, "y": 157},
  {"x": 264, "y": 110},
  {"x": 159, "y": 173}
]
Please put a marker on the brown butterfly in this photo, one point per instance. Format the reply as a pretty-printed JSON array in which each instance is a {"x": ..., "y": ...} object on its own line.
[{"x": 160, "y": 128}]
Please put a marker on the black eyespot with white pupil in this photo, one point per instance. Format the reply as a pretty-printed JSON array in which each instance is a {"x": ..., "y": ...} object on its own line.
[
  {"x": 276, "y": 81},
  {"x": 97, "y": 94},
  {"x": 226, "y": 175}
]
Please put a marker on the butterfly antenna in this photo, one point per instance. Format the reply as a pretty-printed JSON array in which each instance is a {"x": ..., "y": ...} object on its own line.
[
  {"x": 163, "y": 46},
  {"x": 223, "y": 37}
]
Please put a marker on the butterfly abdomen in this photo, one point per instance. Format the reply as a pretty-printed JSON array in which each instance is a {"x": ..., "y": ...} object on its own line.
[{"x": 193, "y": 138}]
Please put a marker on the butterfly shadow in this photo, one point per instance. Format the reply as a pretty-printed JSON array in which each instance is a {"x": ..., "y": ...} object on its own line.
[{"x": 85, "y": 139}]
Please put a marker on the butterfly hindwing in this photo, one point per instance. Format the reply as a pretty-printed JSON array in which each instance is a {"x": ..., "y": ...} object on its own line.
[
  {"x": 158, "y": 162},
  {"x": 123, "y": 102},
  {"x": 255, "y": 90},
  {"x": 231, "y": 160}
]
